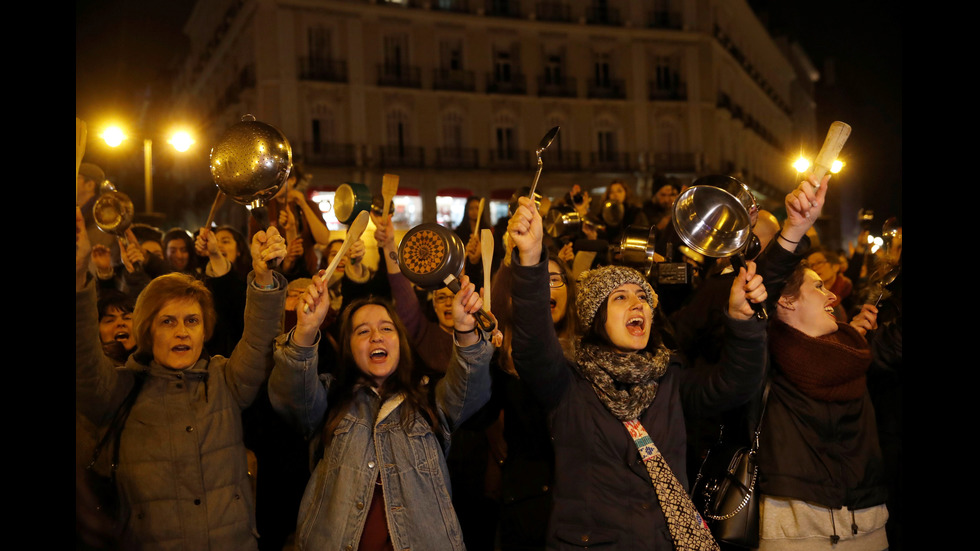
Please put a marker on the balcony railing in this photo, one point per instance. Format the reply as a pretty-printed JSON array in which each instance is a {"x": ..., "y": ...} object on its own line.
[
  {"x": 448, "y": 79},
  {"x": 330, "y": 154},
  {"x": 509, "y": 159},
  {"x": 561, "y": 88},
  {"x": 517, "y": 84},
  {"x": 405, "y": 76},
  {"x": 659, "y": 92},
  {"x": 325, "y": 70},
  {"x": 401, "y": 156},
  {"x": 607, "y": 89},
  {"x": 675, "y": 162},
  {"x": 602, "y": 15},
  {"x": 609, "y": 161},
  {"x": 556, "y": 159},
  {"x": 664, "y": 20},
  {"x": 552, "y": 11},
  {"x": 459, "y": 6},
  {"x": 503, "y": 8},
  {"x": 457, "y": 157}
]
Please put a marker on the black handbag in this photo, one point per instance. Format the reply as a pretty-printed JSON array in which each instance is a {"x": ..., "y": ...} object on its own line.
[{"x": 724, "y": 490}]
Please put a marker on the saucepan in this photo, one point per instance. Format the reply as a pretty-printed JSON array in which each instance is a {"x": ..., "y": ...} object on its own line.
[
  {"x": 713, "y": 217},
  {"x": 349, "y": 200},
  {"x": 637, "y": 247},
  {"x": 113, "y": 213},
  {"x": 433, "y": 257},
  {"x": 562, "y": 221}
]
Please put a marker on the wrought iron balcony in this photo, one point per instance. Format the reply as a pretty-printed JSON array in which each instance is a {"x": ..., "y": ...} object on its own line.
[
  {"x": 322, "y": 69},
  {"x": 660, "y": 92},
  {"x": 664, "y": 20},
  {"x": 509, "y": 159},
  {"x": 330, "y": 154},
  {"x": 401, "y": 156},
  {"x": 610, "y": 161},
  {"x": 552, "y": 11},
  {"x": 561, "y": 88},
  {"x": 556, "y": 159},
  {"x": 614, "y": 88},
  {"x": 448, "y": 79},
  {"x": 503, "y": 8},
  {"x": 675, "y": 162},
  {"x": 405, "y": 76},
  {"x": 457, "y": 157},
  {"x": 517, "y": 84},
  {"x": 602, "y": 15}
]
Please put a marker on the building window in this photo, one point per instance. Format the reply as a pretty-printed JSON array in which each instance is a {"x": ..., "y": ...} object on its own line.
[
  {"x": 452, "y": 130},
  {"x": 451, "y": 54},
  {"x": 553, "y": 69},
  {"x": 396, "y": 55},
  {"x": 506, "y": 148},
  {"x": 502, "y": 66},
  {"x": 607, "y": 145}
]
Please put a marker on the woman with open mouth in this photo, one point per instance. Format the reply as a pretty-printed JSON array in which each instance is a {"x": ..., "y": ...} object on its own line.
[
  {"x": 181, "y": 470},
  {"x": 381, "y": 429},
  {"x": 822, "y": 477},
  {"x": 616, "y": 408}
]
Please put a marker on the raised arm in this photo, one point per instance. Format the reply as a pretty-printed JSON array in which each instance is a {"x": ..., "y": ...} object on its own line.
[
  {"x": 537, "y": 353},
  {"x": 295, "y": 390}
]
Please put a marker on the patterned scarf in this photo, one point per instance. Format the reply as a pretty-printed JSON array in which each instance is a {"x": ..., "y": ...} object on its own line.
[{"x": 636, "y": 374}]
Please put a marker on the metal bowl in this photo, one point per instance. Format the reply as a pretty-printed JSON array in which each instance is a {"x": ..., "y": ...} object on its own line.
[
  {"x": 113, "y": 212},
  {"x": 251, "y": 161}
]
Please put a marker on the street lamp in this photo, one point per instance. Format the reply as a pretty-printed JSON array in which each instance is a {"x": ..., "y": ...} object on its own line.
[{"x": 180, "y": 140}]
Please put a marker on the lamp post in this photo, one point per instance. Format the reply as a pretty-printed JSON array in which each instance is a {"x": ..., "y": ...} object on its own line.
[{"x": 180, "y": 140}]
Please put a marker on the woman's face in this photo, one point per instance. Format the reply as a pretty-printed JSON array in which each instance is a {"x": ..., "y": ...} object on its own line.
[
  {"x": 617, "y": 192},
  {"x": 177, "y": 331},
  {"x": 152, "y": 247},
  {"x": 559, "y": 295},
  {"x": 177, "y": 254},
  {"x": 811, "y": 312},
  {"x": 334, "y": 251},
  {"x": 442, "y": 303},
  {"x": 227, "y": 245},
  {"x": 628, "y": 318},
  {"x": 473, "y": 210},
  {"x": 374, "y": 343},
  {"x": 116, "y": 325}
]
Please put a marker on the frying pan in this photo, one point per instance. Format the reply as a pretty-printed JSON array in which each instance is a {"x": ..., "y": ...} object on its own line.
[
  {"x": 432, "y": 257},
  {"x": 713, "y": 217}
]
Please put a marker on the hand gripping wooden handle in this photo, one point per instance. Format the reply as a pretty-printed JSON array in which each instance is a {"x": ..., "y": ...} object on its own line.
[{"x": 832, "y": 144}]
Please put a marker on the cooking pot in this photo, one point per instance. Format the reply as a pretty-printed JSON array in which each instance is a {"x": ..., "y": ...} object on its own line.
[
  {"x": 113, "y": 213},
  {"x": 562, "y": 221},
  {"x": 637, "y": 247},
  {"x": 349, "y": 200},
  {"x": 713, "y": 215},
  {"x": 613, "y": 212},
  {"x": 433, "y": 257}
]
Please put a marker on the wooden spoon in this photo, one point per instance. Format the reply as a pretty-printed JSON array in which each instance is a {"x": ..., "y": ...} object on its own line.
[
  {"x": 486, "y": 244},
  {"x": 389, "y": 188},
  {"x": 353, "y": 234}
]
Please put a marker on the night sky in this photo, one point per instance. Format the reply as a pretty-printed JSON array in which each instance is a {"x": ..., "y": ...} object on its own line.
[{"x": 127, "y": 50}]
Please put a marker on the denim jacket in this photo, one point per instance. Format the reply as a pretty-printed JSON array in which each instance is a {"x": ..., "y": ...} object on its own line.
[{"x": 370, "y": 442}]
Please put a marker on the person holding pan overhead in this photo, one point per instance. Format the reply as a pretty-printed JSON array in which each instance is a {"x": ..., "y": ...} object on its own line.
[
  {"x": 616, "y": 408},
  {"x": 382, "y": 427}
]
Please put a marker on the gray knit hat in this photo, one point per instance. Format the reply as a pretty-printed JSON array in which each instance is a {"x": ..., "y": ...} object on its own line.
[{"x": 594, "y": 287}]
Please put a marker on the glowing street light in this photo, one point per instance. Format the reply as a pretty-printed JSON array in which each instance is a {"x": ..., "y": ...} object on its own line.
[{"x": 181, "y": 141}]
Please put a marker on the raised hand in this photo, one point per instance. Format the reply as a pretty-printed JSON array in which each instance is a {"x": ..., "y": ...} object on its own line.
[
  {"x": 83, "y": 250},
  {"x": 466, "y": 303},
  {"x": 866, "y": 320},
  {"x": 526, "y": 231},
  {"x": 746, "y": 288},
  {"x": 315, "y": 302},
  {"x": 803, "y": 206},
  {"x": 267, "y": 247}
]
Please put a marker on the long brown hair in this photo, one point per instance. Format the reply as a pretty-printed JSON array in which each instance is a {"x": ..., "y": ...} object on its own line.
[{"x": 405, "y": 379}]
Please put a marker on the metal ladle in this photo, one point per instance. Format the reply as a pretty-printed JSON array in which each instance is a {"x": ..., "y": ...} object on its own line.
[{"x": 545, "y": 143}]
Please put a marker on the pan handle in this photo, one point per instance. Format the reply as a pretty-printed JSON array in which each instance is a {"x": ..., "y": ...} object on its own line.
[
  {"x": 760, "y": 308},
  {"x": 483, "y": 320}
]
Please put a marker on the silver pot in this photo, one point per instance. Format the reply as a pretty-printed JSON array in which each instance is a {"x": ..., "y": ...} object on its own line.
[
  {"x": 562, "y": 221},
  {"x": 713, "y": 215},
  {"x": 251, "y": 161},
  {"x": 637, "y": 247}
]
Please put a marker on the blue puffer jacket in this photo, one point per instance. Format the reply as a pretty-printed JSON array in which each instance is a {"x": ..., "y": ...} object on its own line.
[{"x": 369, "y": 442}]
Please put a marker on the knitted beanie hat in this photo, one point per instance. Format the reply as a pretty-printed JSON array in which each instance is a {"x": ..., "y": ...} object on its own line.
[{"x": 594, "y": 287}]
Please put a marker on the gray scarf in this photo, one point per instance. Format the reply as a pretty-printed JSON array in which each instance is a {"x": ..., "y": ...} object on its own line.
[{"x": 637, "y": 374}]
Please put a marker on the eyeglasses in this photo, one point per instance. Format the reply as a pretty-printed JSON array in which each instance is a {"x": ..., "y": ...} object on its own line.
[
  {"x": 442, "y": 299},
  {"x": 556, "y": 280}
]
